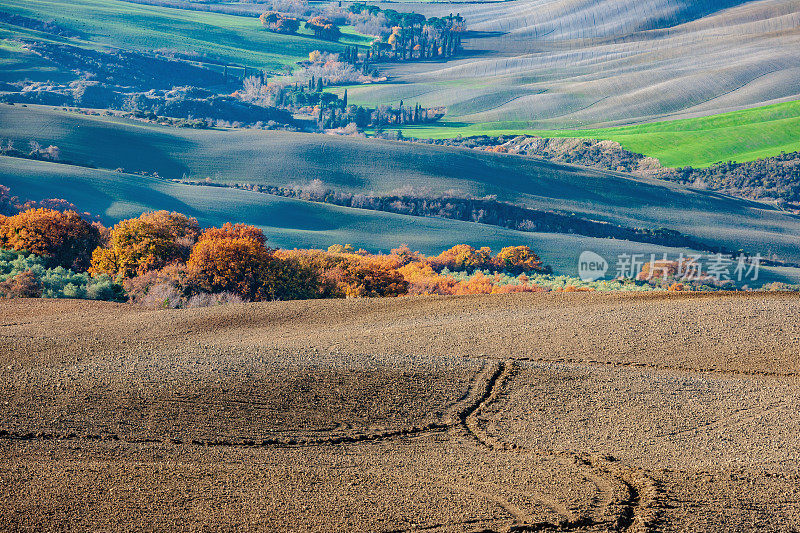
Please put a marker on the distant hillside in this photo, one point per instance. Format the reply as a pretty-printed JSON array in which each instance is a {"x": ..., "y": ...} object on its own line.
[
  {"x": 361, "y": 165},
  {"x": 553, "y": 64},
  {"x": 290, "y": 223},
  {"x": 739, "y": 136},
  {"x": 207, "y": 37}
]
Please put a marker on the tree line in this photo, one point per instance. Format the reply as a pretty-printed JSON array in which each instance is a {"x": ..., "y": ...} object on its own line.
[
  {"x": 167, "y": 259},
  {"x": 486, "y": 211},
  {"x": 332, "y": 110},
  {"x": 399, "y": 36},
  {"x": 410, "y": 35}
]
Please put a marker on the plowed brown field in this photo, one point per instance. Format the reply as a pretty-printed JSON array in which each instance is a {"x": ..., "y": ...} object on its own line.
[{"x": 582, "y": 412}]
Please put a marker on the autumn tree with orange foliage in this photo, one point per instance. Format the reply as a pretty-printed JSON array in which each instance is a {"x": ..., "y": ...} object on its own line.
[
  {"x": 23, "y": 285},
  {"x": 362, "y": 279},
  {"x": 518, "y": 259},
  {"x": 234, "y": 231},
  {"x": 463, "y": 257},
  {"x": 422, "y": 279},
  {"x": 149, "y": 242},
  {"x": 235, "y": 259},
  {"x": 352, "y": 275},
  {"x": 323, "y": 28},
  {"x": 66, "y": 239},
  {"x": 405, "y": 256}
]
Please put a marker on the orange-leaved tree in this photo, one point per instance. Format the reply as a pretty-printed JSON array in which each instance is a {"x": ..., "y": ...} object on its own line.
[
  {"x": 149, "y": 242},
  {"x": 352, "y": 274},
  {"x": 463, "y": 257},
  {"x": 366, "y": 279},
  {"x": 234, "y": 231},
  {"x": 422, "y": 279},
  {"x": 221, "y": 261},
  {"x": 518, "y": 259},
  {"x": 66, "y": 239}
]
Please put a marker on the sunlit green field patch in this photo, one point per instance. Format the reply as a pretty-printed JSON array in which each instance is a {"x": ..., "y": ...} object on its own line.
[
  {"x": 230, "y": 38},
  {"x": 738, "y": 136}
]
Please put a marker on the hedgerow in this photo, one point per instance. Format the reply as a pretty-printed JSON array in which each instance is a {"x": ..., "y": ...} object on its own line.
[{"x": 164, "y": 259}]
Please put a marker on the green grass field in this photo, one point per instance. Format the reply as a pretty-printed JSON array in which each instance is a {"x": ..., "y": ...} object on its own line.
[
  {"x": 113, "y": 23},
  {"x": 699, "y": 142},
  {"x": 363, "y": 165}
]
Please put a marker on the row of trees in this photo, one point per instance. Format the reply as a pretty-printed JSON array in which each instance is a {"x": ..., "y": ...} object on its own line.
[
  {"x": 406, "y": 36},
  {"x": 487, "y": 211},
  {"x": 168, "y": 256},
  {"x": 331, "y": 110}
]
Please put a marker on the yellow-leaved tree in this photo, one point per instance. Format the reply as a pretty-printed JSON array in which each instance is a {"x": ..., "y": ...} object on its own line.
[{"x": 149, "y": 242}]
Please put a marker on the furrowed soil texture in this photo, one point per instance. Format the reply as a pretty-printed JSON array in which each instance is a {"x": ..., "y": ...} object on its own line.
[{"x": 574, "y": 412}]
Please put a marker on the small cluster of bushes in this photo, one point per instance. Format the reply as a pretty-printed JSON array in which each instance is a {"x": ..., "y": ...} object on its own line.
[
  {"x": 530, "y": 282},
  {"x": 11, "y": 204},
  {"x": 34, "y": 150},
  {"x": 25, "y": 275},
  {"x": 279, "y": 22}
]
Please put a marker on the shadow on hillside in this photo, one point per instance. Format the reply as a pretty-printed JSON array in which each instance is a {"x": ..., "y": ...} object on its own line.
[
  {"x": 690, "y": 10},
  {"x": 474, "y": 34}
]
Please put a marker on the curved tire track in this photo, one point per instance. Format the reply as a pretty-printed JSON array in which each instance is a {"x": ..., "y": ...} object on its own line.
[
  {"x": 627, "y": 501},
  {"x": 633, "y": 494}
]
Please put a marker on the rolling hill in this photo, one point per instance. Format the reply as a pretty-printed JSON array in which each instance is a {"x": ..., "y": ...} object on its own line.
[
  {"x": 290, "y": 223},
  {"x": 360, "y": 165},
  {"x": 550, "y": 67},
  {"x": 567, "y": 64},
  {"x": 219, "y": 37}
]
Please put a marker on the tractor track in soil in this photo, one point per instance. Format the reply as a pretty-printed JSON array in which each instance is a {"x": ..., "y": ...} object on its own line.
[
  {"x": 750, "y": 355},
  {"x": 637, "y": 508},
  {"x": 623, "y": 493}
]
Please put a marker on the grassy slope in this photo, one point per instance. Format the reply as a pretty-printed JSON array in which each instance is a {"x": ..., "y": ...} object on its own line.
[
  {"x": 18, "y": 64},
  {"x": 699, "y": 142},
  {"x": 113, "y": 23},
  {"x": 288, "y": 223},
  {"x": 358, "y": 165}
]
